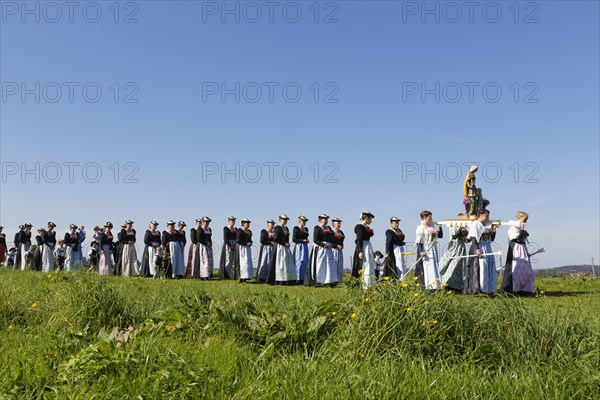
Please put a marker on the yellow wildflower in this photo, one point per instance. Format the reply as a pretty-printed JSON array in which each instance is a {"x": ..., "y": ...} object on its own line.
[
  {"x": 418, "y": 284},
  {"x": 414, "y": 278},
  {"x": 353, "y": 315},
  {"x": 416, "y": 294},
  {"x": 434, "y": 321},
  {"x": 33, "y": 305},
  {"x": 10, "y": 327},
  {"x": 404, "y": 285},
  {"x": 386, "y": 278},
  {"x": 333, "y": 313}
]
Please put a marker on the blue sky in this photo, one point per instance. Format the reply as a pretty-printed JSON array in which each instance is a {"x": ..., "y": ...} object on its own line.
[{"x": 368, "y": 61}]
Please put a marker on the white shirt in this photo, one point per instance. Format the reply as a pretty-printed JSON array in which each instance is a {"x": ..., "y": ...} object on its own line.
[
  {"x": 477, "y": 229},
  {"x": 514, "y": 229},
  {"x": 425, "y": 234}
]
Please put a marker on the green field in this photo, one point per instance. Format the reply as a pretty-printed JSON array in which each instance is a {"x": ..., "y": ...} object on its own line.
[{"x": 81, "y": 336}]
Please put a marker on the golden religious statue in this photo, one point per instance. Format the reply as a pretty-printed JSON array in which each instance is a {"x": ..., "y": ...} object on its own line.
[{"x": 473, "y": 195}]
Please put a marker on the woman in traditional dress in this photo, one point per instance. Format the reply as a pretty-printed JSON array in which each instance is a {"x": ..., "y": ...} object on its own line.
[
  {"x": 364, "y": 257},
  {"x": 481, "y": 273},
  {"x": 395, "y": 262},
  {"x": 24, "y": 241},
  {"x": 171, "y": 247},
  {"x": 151, "y": 244},
  {"x": 518, "y": 273},
  {"x": 266, "y": 251},
  {"x": 323, "y": 269},
  {"x": 453, "y": 262},
  {"x": 49, "y": 243},
  {"x": 118, "y": 251},
  {"x": 337, "y": 241},
  {"x": 72, "y": 262},
  {"x": 39, "y": 247},
  {"x": 227, "y": 261},
  {"x": 282, "y": 270},
  {"x": 243, "y": 253},
  {"x": 205, "y": 250},
  {"x": 193, "y": 264},
  {"x": 3, "y": 248},
  {"x": 129, "y": 254},
  {"x": 105, "y": 266},
  {"x": 17, "y": 244},
  {"x": 300, "y": 239},
  {"x": 427, "y": 251},
  {"x": 177, "y": 256}
]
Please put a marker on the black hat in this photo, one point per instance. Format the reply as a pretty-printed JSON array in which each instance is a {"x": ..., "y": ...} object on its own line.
[
  {"x": 13, "y": 249},
  {"x": 206, "y": 219},
  {"x": 378, "y": 253},
  {"x": 181, "y": 223},
  {"x": 21, "y": 226},
  {"x": 154, "y": 223},
  {"x": 395, "y": 219},
  {"x": 27, "y": 224},
  {"x": 129, "y": 222},
  {"x": 366, "y": 214},
  {"x": 93, "y": 243},
  {"x": 284, "y": 216},
  {"x": 303, "y": 218},
  {"x": 108, "y": 225},
  {"x": 170, "y": 222},
  {"x": 246, "y": 221},
  {"x": 323, "y": 216},
  {"x": 231, "y": 218},
  {"x": 41, "y": 230},
  {"x": 270, "y": 221},
  {"x": 336, "y": 220},
  {"x": 73, "y": 226},
  {"x": 123, "y": 225},
  {"x": 52, "y": 224}
]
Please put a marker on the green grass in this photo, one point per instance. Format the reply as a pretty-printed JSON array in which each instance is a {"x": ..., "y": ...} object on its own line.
[{"x": 83, "y": 336}]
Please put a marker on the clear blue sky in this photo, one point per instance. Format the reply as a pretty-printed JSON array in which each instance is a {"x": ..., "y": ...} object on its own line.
[{"x": 373, "y": 61}]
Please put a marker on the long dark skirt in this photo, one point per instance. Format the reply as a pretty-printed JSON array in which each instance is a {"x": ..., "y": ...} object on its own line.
[
  {"x": 309, "y": 279},
  {"x": 145, "y": 268},
  {"x": 227, "y": 262},
  {"x": 472, "y": 285}
]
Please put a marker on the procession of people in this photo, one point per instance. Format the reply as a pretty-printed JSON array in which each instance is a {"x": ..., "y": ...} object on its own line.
[{"x": 286, "y": 258}]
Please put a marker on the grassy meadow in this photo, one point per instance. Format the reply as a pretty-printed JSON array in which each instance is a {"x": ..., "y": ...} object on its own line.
[{"x": 82, "y": 336}]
